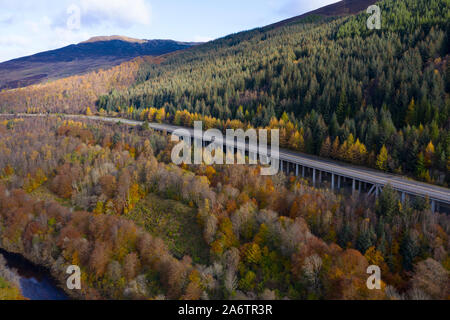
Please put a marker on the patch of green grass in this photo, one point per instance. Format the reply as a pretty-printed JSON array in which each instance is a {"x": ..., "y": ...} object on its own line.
[
  {"x": 175, "y": 223},
  {"x": 44, "y": 194}
]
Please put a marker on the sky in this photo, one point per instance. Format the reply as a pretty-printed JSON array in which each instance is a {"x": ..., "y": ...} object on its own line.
[{"x": 31, "y": 26}]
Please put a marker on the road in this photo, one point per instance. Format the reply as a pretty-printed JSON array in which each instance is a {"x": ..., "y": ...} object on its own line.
[{"x": 400, "y": 183}]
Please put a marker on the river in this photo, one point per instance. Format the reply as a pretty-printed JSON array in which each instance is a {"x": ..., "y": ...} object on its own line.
[{"x": 36, "y": 282}]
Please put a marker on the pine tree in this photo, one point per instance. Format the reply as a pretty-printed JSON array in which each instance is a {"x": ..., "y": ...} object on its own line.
[
  {"x": 341, "y": 110},
  {"x": 335, "y": 149},
  {"x": 420, "y": 165},
  {"x": 429, "y": 155},
  {"x": 362, "y": 152},
  {"x": 345, "y": 236},
  {"x": 409, "y": 250},
  {"x": 364, "y": 241},
  {"x": 296, "y": 141},
  {"x": 447, "y": 73},
  {"x": 411, "y": 113},
  {"x": 334, "y": 126},
  {"x": 386, "y": 205},
  {"x": 382, "y": 159},
  {"x": 240, "y": 113},
  {"x": 325, "y": 151}
]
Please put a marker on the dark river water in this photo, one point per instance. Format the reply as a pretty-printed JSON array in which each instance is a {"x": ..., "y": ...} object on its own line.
[{"x": 35, "y": 282}]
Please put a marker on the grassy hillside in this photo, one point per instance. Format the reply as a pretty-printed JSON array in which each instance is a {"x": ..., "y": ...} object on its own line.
[{"x": 173, "y": 222}]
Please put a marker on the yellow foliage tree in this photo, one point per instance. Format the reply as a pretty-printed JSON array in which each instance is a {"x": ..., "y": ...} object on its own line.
[
  {"x": 382, "y": 159},
  {"x": 429, "y": 155},
  {"x": 374, "y": 257},
  {"x": 253, "y": 254}
]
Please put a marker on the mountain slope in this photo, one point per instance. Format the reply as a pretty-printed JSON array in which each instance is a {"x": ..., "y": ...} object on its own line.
[
  {"x": 336, "y": 89},
  {"x": 341, "y": 8},
  {"x": 76, "y": 93},
  {"x": 96, "y": 53},
  {"x": 377, "y": 98}
]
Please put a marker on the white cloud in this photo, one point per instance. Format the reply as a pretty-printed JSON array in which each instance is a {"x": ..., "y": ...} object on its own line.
[
  {"x": 6, "y": 18},
  {"x": 124, "y": 13},
  {"x": 38, "y": 26},
  {"x": 46, "y": 32},
  {"x": 41, "y": 36},
  {"x": 30, "y": 26},
  {"x": 13, "y": 41},
  {"x": 13, "y": 46}
]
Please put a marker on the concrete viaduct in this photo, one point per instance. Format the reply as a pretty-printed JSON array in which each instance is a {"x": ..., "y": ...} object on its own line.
[{"x": 321, "y": 171}]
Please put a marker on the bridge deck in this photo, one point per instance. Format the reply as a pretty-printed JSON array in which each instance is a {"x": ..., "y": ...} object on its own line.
[{"x": 399, "y": 183}]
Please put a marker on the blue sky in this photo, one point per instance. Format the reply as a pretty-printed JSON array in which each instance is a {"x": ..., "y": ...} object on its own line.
[{"x": 31, "y": 26}]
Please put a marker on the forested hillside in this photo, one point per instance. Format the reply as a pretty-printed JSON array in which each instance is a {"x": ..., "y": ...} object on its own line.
[
  {"x": 73, "y": 94},
  {"x": 336, "y": 89},
  {"x": 91, "y": 194},
  {"x": 107, "y": 197},
  {"x": 77, "y": 59},
  {"x": 333, "y": 82}
]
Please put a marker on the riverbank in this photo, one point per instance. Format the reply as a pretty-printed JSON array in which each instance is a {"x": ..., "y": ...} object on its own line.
[
  {"x": 9, "y": 282},
  {"x": 35, "y": 282}
]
